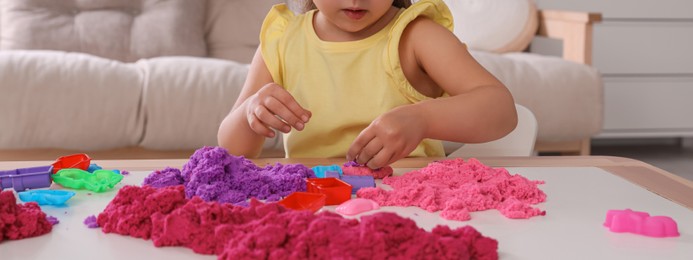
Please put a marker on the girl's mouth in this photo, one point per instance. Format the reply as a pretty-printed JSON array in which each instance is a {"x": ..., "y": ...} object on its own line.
[{"x": 355, "y": 14}]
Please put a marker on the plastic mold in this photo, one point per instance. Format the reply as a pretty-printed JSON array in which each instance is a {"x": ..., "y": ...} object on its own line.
[
  {"x": 46, "y": 197},
  {"x": 99, "y": 181},
  {"x": 358, "y": 182},
  {"x": 304, "y": 201},
  {"x": 641, "y": 223},
  {"x": 26, "y": 178},
  {"x": 79, "y": 161},
  {"x": 332, "y": 174},
  {"x": 93, "y": 167},
  {"x": 356, "y": 206},
  {"x": 321, "y": 170},
  {"x": 336, "y": 190}
]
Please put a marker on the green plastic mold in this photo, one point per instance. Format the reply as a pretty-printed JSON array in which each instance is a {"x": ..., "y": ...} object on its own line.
[{"x": 99, "y": 181}]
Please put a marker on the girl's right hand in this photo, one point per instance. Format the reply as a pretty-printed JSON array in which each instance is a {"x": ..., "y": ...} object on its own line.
[{"x": 272, "y": 107}]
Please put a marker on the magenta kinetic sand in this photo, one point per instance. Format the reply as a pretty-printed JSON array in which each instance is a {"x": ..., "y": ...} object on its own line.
[
  {"x": 214, "y": 175},
  {"x": 19, "y": 221},
  {"x": 457, "y": 187},
  {"x": 269, "y": 231}
]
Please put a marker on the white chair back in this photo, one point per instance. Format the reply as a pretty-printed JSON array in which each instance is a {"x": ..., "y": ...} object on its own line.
[{"x": 519, "y": 142}]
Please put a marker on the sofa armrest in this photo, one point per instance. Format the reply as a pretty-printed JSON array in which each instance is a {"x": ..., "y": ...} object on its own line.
[{"x": 574, "y": 28}]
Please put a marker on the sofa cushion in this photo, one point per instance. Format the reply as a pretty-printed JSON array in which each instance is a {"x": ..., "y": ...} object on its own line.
[
  {"x": 120, "y": 30},
  {"x": 233, "y": 27},
  {"x": 186, "y": 98},
  {"x": 63, "y": 100},
  {"x": 495, "y": 25},
  {"x": 566, "y": 97}
]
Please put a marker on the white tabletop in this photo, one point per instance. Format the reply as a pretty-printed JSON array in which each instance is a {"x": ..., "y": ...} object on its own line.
[{"x": 577, "y": 201}]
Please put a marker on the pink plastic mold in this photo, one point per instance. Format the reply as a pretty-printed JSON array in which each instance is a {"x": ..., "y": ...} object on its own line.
[
  {"x": 641, "y": 223},
  {"x": 356, "y": 206}
]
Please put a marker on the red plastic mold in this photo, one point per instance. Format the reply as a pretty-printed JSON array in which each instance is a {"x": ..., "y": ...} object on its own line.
[
  {"x": 304, "y": 201},
  {"x": 336, "y": 190},
  {"x": 79, "y": 160}
]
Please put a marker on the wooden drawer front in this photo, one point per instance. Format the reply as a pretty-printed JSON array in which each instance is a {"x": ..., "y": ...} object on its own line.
[
  {"x": 643, "y": 47},
  {"x": 619, "y": 9},
  {"x": 664, "y": 104}
]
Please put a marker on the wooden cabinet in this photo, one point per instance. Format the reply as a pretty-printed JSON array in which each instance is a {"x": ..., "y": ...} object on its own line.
[{"x": 644, "y": 50}]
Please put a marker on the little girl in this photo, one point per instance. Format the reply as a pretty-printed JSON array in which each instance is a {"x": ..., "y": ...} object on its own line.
[{"x": 372, "y": 80}]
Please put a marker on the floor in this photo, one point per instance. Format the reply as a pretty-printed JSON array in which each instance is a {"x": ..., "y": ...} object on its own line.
[{"x": 672, "y": 155}]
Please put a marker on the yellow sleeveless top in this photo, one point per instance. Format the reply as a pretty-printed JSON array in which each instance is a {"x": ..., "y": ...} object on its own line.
[{"x": 346, "y": 85}]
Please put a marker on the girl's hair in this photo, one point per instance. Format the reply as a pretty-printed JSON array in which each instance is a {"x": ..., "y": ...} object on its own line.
[{"x": 302, "y": 6}]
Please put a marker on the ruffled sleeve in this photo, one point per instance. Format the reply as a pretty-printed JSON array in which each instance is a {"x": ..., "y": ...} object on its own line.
[
  {"x": 271, "y": 37},
  {"x": 435, "y": 10}
]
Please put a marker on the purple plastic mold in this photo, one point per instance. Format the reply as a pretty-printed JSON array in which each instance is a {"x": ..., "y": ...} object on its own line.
[
  {"x": 641, "y": 223},
  {"x": 358, "y": 182},
  {"x": 26, "y": 178},
  {"x": 332, "y": 174}
]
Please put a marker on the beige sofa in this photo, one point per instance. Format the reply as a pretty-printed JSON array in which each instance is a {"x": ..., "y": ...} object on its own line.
[{"x": 153, "y": 79}]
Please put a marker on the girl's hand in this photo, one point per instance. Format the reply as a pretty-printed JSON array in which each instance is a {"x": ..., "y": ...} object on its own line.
[
  {"x": 390, "y": 137},
  {"x": 272, "y": 107}
]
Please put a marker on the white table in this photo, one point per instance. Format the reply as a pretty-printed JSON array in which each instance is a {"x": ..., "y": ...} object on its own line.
[{"x": 578, "y": 196}]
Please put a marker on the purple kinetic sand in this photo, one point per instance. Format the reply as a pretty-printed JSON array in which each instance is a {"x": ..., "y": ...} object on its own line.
[
  {"x": 53, "y": 220},
  {"x": 164, "y": 178},
  {"x": 90, "y": 222},
  {"x": 124, "y": 172},
  {"x": 351, "y": 164},
  {"x": 215, "y": 175}
]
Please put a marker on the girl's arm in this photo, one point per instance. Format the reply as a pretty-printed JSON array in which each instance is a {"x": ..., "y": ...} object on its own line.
[
  {"x": 261, "y": 106},
  {"x": 479, "y": 107}
]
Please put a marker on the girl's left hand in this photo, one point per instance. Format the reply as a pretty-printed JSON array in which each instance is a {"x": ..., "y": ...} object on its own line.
[{"x": 390, "y": 137}]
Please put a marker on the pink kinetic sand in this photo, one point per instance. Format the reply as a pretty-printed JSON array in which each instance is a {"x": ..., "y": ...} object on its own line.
[
  {"x": 353, "y": 168},
  {"x": 214, "y": 175},
  {"x": 18, "y": 221},
  {"x": 457, "y": 187},
  {"x": 269, "y": 231}
]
